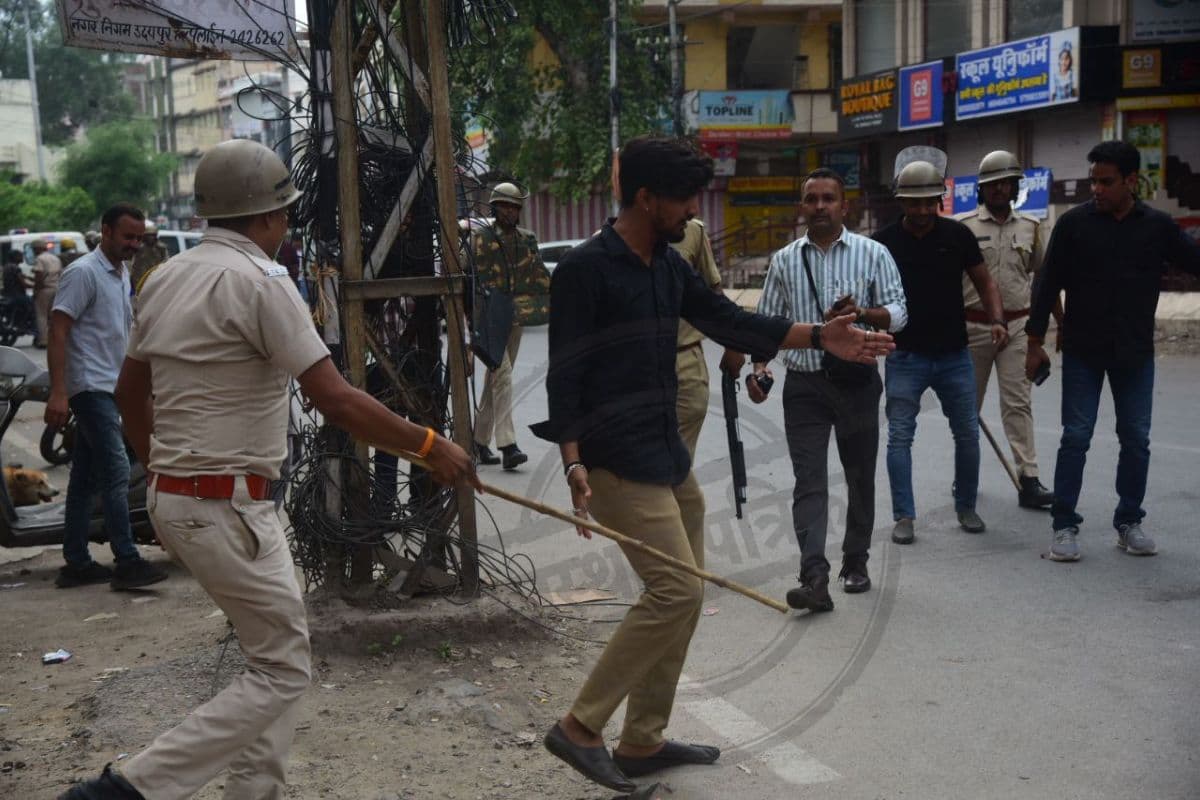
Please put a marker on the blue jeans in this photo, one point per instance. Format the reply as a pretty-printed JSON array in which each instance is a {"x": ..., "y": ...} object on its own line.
[
  {"x": 1132, "y": 391},
  {"x": 952, "y": 378},
  {"x": 98, "y": 464}
]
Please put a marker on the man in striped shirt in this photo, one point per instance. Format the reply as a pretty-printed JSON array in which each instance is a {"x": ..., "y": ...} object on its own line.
[{"x": 828, "y": 273}]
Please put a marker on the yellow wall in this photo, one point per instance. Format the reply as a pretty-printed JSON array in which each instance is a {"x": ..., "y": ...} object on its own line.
[{"x": 704, "y": 57}]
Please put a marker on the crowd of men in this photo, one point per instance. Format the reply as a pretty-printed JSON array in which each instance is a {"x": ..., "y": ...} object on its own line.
[{"x": 941, "y": 300}]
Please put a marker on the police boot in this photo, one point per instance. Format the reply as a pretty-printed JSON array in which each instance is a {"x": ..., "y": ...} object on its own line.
[
  {"x": 1033, "y": 494},
  {"x": 512, "y": 457}
]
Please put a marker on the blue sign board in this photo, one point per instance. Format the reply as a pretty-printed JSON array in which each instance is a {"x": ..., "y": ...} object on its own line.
[
  {"x": 921, "y": 96},
  {"x": 1017, "y": 76},
  {"x": 1033, "y": 196},
  {"x": 1035, "y": 188}
]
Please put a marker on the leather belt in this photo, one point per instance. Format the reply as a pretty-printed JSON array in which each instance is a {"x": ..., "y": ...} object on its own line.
[
  {"x": 210, "y": 487},
  {"x": 682, "y": 348},
  {"x": 975, "y": 315}
]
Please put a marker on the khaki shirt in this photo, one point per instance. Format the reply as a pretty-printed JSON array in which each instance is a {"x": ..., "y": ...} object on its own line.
[
  {"x": 1012, "y": 251},
  {"x": 145, "y": 260},
  {"x": 51, "y": 268},
  {"x": 697, "y": 251},
  {"x": 223, "y": 328}
]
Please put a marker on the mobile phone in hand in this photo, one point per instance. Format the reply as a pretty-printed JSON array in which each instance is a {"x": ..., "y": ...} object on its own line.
[
  {"x": 765, "y": 382},
  {"x": 1043, "y": 372}
]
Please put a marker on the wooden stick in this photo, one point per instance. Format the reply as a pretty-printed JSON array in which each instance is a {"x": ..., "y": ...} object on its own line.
[
  {"x": 1012, "y": 474},
  {"x": 616, "y": 536},
  {"x": 636, "y": 544}
]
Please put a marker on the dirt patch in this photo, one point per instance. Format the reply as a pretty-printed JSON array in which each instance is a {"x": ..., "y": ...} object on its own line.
[{"x": 432, "y": 700}]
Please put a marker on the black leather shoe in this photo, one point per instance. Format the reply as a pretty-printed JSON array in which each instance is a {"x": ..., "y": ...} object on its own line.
[
  {"x": 811, "y": 594},
  {"x": 69, "y": 577},
  {"x": 672, "y": 754},
  {"x": 593, "y": 763},
  {"x": 485, "y": 454},
  {"x": 513, "y": 457},
  {"x": 1033, "y": 494},
  {"x": 855, "y": 579},
  {"x": 109, "y": 786}
]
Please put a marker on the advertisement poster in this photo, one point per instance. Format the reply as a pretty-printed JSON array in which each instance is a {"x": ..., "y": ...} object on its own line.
[
  {"x": 846, "y": 164},
  {"x": 1033, "y": 194},
  {"x": 867, "y": 104},
  {"x": 724, "y": 156},
  {"x": 745, "y": 115},
  {"x": 1147, "y": 131},
  {"x": 921, "y": 96},
  {"x": 964, "y": 194},
  {"x": 1018, "y": 76}
]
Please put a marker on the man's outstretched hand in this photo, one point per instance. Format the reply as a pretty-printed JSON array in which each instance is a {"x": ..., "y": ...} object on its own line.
[{"x": 840, "y": 338}]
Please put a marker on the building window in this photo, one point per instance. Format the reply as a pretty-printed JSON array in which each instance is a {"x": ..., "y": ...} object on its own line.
[
  {"x": 761, "y": 57},
  {"x": 1033, "y": 17},
  {"x": 874, "y": 35},
  {"x": 947, "y": 28}
]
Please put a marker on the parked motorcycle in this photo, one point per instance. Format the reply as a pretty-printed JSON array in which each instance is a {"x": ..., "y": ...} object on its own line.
[
  {"x": 23, "y": 380},
  {"x": 16, "y": 320}
]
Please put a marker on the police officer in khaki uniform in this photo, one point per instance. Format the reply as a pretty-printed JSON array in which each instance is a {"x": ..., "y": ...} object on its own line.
[
  {"x": 1012, "y": 248},
  {"x": 691, "y": 405},
  {"x": 150, "y": 256},
  {"x": 47, "y": 268},
  {"x": 505, "y": 257},
  {"x": 203, "y": 393}
]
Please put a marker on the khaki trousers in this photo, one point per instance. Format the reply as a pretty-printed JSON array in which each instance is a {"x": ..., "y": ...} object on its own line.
[
  {"x": 43, "y": 301},
  {"x": 645, "y": 655},
  {"x": 691, "y": 405},
  {"x": 495, "y": 410},
  {"x": 1016, "y": 412},
  {"x": 237, "y": 551}
]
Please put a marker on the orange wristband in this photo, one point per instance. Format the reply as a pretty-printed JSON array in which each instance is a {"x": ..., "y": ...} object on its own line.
[{"x": 430, "y": 435}]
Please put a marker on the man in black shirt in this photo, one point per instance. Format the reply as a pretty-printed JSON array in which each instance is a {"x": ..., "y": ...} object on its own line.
[
  {"x": 615, "y": 306},
  {"x": 932, "y": 253},
  {"x": 1108, "y": 255}
]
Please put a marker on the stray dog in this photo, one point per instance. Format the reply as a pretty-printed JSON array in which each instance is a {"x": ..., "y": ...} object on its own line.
[{"x": 28, "y": 487}]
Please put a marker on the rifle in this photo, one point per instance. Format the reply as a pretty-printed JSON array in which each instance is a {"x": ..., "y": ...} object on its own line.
[{"x": 737, "y": 455}]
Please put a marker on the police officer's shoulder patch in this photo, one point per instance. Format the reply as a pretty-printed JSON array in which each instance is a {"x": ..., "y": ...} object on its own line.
[{"x": 269, "y": 268}]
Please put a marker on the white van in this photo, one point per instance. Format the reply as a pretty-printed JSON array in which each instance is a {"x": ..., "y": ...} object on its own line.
[
  {"x": 24, "y": 243},
  {"x": 178, "y": 241}
]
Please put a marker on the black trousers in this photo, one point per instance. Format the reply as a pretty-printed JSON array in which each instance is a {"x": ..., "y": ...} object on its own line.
[{"x": 812, "y": 406}]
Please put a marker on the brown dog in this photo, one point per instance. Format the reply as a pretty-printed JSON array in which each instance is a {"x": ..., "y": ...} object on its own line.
[{"x": 28, "y": 487}]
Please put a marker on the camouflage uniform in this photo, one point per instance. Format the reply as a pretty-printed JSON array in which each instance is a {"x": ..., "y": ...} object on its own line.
[
  {"x": 508, "y": 261},
  {"x": 144, "y": 262}
]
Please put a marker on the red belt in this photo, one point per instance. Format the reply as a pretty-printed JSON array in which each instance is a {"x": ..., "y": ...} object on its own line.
[
  {"x": 975, "y": 315},
  {"x": 211, "y": 487}
]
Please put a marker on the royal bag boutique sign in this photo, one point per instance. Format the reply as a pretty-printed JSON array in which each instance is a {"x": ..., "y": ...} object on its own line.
[{"x": 1018, "y": 76}]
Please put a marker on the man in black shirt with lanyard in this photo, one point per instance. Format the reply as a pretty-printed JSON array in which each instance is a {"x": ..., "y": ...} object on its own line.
[
  {"x": 1108, "y": 255},
  {"x": 616, "y": 302},
  {"x": 932, "y": 253}
]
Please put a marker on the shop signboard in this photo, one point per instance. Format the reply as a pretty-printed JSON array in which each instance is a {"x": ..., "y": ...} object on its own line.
[
  {"x": 745, "y": 115},
  {"x": 1033, "y": 194},
  {"x": 921, "y": 98},
  {"x": 724, "y": 156},
  {"x": 1017, "y": 76},
  {"x": 846, "y": 164},
  {"x": 1033, "y": 198},
  {"x": 1146, "y": 130},
  {"x": 867, "y": 104},
  {"x": 1164, "y": 19},
  {"x": 247, "y": 31}
]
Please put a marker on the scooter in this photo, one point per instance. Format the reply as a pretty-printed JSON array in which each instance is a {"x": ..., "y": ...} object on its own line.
[{"x": 23, "y": 380}]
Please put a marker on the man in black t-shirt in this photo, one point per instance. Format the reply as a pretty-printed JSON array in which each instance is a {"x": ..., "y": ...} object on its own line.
[{"x": 932, "y": 254}]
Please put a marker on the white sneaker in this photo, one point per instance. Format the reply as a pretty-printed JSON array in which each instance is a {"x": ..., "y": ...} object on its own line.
[
  {"x": 1064, "y": 547},
  {"x": 1134, "y": 541}
]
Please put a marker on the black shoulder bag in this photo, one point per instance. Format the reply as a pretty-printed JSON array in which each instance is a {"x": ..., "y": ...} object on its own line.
[
  {"x": 846, "y": 374},
  {"x": 492, "y": 319}
]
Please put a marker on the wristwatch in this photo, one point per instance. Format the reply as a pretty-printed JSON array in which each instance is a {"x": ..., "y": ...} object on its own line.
[
  {"x": 815, "y": 336},
  {"x": 1000, "y": 322}
]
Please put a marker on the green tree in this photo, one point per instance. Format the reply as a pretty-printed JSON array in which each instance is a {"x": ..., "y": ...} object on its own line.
[
  {"x": 550, "y": 125},
  {"x": 116, "y": 162},
  {"x": 43, "y": 207},
  {"x": 76, "y": 87}
]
